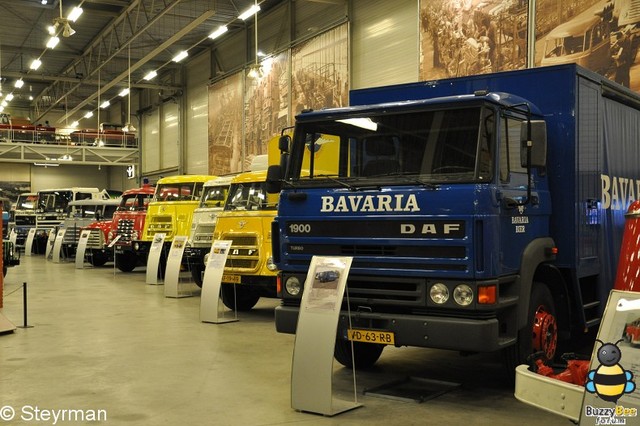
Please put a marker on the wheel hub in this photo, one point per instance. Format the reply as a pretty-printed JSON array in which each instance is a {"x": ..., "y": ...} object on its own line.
[{"x": 545, "y": 332}]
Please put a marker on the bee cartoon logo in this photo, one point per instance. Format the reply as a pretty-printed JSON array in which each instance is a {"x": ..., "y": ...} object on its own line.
[{"x": 610, "y": 381}]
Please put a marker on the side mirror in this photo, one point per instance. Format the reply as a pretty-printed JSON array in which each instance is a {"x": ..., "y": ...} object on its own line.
[
  {"x": 274, "y": 179},
  {"x": 284, "y": 143},
  {"x": 538, "y": 138}
]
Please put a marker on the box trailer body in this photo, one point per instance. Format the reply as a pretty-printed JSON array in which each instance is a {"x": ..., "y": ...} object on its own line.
[{"x": 453, "y": 240}]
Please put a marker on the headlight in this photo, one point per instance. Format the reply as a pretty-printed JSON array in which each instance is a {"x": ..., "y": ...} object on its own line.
[
  {"x": 110, "y": 235},
  {"x": 439, "y": 293},
  {"x": 463, "y": 295},
  {"x": 293, "y": 286},
  {"x": 136, "y": 246},
  {"x": 270, "y": 265},
  {"x": 134, "y": 235}
]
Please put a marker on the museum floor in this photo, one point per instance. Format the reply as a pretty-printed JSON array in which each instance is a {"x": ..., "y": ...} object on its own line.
[{"x": 105, "y": 340}]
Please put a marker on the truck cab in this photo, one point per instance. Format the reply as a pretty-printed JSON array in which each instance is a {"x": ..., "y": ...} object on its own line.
[
  {"x": 170, "y": 212},
  {"x": 24, "y": 217},
  {"x": 246, "y": 221},
  {"x": 82, "y": 214},
  {"x": 203, "y": 225}
]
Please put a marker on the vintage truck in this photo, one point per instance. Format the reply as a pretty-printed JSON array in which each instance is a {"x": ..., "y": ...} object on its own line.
[
  {"x": 170, "y": 212},
  {"x": 24, "y": 217},
  {"x": 483, "y": 213}
]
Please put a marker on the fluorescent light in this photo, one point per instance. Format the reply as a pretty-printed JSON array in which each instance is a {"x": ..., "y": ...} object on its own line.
[
  {"x": 249, "y": 12},
  {"x": 105, "y": 104},
  {"x": 363, "y": 123},
  {"x": 35, "y": 64},
  {"x": 150, "y": 75},
  {"x": 1, "y": 108},
  {"x": 75, "y": 124},
  {"x": 46, "y": 164},
  {"x": 9, "y": 97},
  {"x": 19, "y": 83},
  {"x": 53, "y": 42},
  {"x": 4, "y": 103},
  {"x": 51, "y": 29},
  {"x": 124, "y": 92},
  {"x": 89, "y": 114},
  {"x": 180, "y": 56},
  {"x": 217, "y": 33},
  {"x": 43, "y": 2},
  {"x": 74, "y": 14}
]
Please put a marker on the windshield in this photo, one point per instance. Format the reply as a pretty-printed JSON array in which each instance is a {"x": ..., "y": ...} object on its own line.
[
  {"x": 249, "y": 196},
  {"x": 186, "y": 191},
  {"x": 54, "y": 201},
  {"x": 133, "y": 202},
  {"x": 214, "y": 196},
  {"x": 444, "y": 145},
  {"x": 26, "y": 202}
]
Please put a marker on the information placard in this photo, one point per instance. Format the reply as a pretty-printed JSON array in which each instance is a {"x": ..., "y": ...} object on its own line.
[
  {"x": 57, "y": 245},
  {"x": 82, "y": 248},
  {"x": 312, "y": 368},
  {"x": 172, "y": 271},
  {"x": 210, "y": 306},
  {"x": 28, "y": 244},
  {"x": 50, "y": 243},
  {"x": 153, "y": 261}
]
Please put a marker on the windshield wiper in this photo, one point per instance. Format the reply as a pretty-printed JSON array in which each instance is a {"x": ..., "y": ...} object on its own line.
[{"x": 338, "y": 181}]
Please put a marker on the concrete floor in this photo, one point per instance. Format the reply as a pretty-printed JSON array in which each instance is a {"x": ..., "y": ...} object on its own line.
[{"x": 105, "y": 340}]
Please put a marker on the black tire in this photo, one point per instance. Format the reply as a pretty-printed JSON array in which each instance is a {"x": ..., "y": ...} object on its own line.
[
  {"x": 126, "y": 262},
  {"x": 365, "y": 354},
  {"x": 245, "y": 297},
  {"x": 196, "y": 274},
  {"x": 98, "y": 258},
  {"x": 541, "y": 301}
]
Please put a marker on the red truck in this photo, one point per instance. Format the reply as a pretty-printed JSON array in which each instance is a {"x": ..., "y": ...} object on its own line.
[{"x": 127, "y": 222}]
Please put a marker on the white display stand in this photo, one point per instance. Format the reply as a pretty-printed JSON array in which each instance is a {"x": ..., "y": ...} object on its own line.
[
  {"x": 82, "y": 248},
  {"x": 312, "y": 368},
  {"x": 112, "y": 246},
  {"x": 153, "y": 261},
  {"x": 172, "y": 270},
  {"x": 13, "y": 236},
  {"x": 210, "y": 306},
  {"x": 57, "y": 246},
  {"x": 50, "y": 242},
  {"x": 28, "y": 244}
]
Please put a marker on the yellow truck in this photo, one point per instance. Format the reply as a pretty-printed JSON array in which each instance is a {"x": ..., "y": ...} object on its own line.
[
  {"x": 246, "y": 221},
  {"x": 170, "y": 212}
]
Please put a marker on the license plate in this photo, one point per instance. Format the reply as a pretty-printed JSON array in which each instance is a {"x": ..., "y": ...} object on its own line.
[
  {"x": 233, "y": 279},
  {"x": 371, "y": 336}
]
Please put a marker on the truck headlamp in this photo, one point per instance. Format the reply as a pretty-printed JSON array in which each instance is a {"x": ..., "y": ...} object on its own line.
[
  {"x": 134, "y": 235},
  {"x": 439, "y": 293},
  {"x": 292, "y": 285},
  {"x": 463, "y": 295},
  {"x": 270, "y": 265},
  {"x": 136, "y": 246}
]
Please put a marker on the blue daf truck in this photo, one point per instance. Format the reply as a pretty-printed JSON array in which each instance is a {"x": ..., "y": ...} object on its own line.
[{"x": 482, "y": 213}]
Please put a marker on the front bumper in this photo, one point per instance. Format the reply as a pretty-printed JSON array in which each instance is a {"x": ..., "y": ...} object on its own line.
[{"x": 473, "y": 335}]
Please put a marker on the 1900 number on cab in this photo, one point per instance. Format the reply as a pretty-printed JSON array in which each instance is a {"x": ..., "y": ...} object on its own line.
[{"x": 299, "y": 228}]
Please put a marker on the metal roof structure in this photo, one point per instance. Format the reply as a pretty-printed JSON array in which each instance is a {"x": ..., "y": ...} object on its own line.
[{"x": 113, "y": 43}]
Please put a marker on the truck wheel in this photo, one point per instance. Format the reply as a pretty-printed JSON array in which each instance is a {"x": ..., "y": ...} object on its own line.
[
  {"x": 365, "y": 354},
  {"x": 541, "y": 332},
  {"x": 245, "y": 298},
  {"x": 126, "y": 262},
  {"x": 97, "y": 258},
  {"x": 196, "y": 274}
]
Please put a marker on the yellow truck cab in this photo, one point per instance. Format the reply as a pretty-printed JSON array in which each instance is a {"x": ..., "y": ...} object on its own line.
[
  {"x": 170, "y": 211},
  {"x": 246, "y": 221}
]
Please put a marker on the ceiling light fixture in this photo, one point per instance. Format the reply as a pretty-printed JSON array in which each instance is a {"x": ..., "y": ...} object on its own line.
[
  {"x": 53, "y": 42},
  {"x": 19, "y": 83},
  {"x": 35, "y": 64},
  {"x": 217, "y": 33},
  {"x": 249, "y": 12},
  {"x": 9, "y": 97},
  {"x": 180, "y": 56},
  {"x": 124, "y": 92},
  {"x": 89, "y": 114},
  {"x": 150, "y": 75},
  {"x": 75, "y": 14},
  {"x": 75, "y": 124},
  {"x": 105, "y": 104}
]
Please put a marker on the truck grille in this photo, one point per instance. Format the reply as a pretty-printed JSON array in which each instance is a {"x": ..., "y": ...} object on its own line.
[
  {"x": 96, "y": 239},
  {"x": 125, "y": 228},
  {"x": 71, "y": 235},
  {"x": 25, "y": 220},
  {"x": 204, "y": 234},
  {"x": 161, "y": 224},
  {"x": 244, "y": 255}
]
